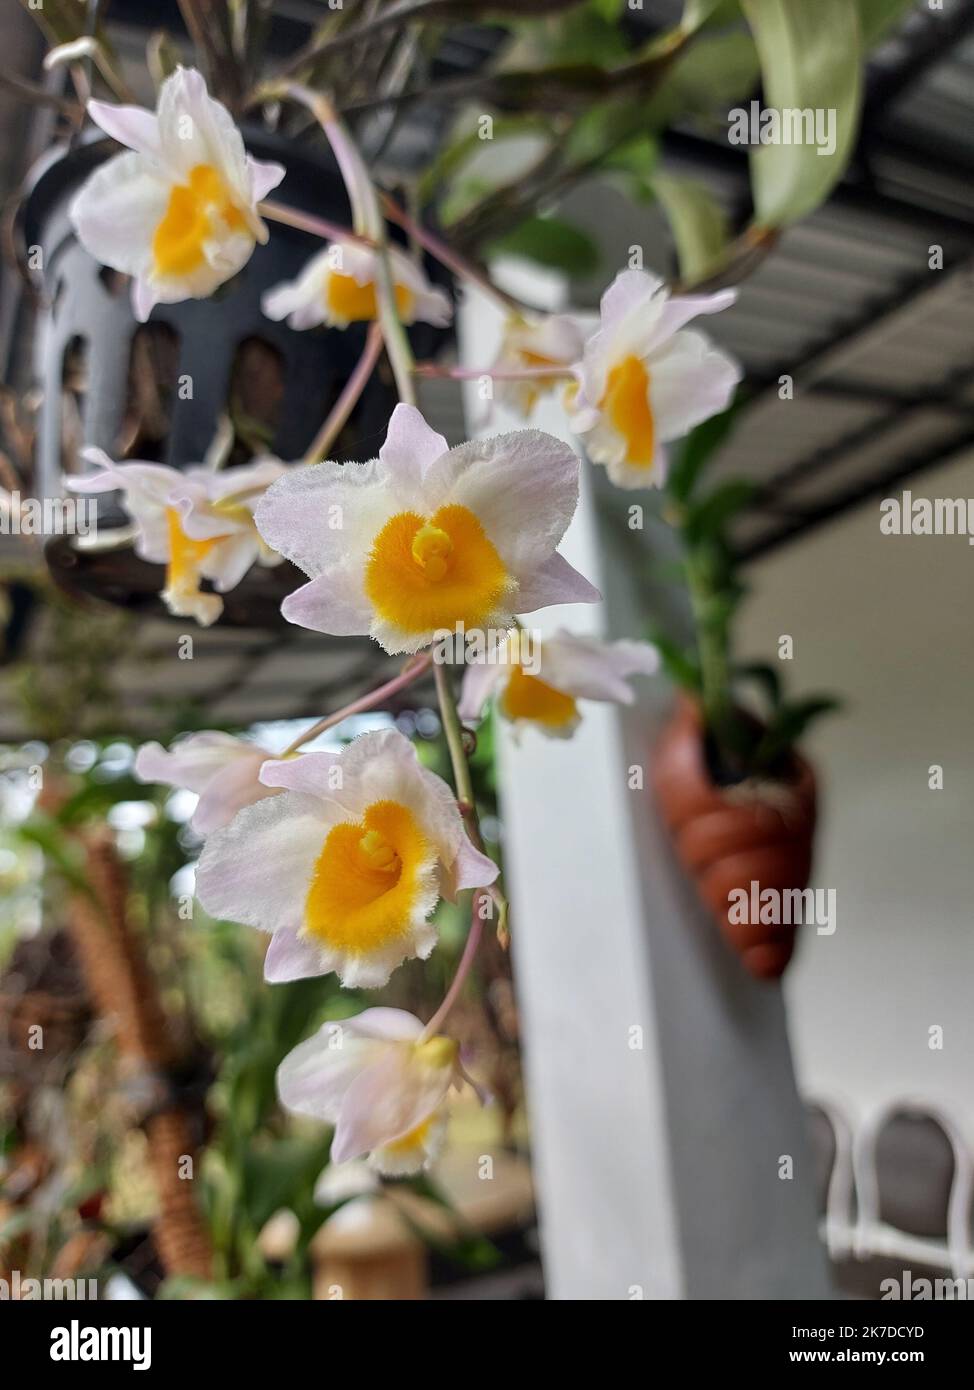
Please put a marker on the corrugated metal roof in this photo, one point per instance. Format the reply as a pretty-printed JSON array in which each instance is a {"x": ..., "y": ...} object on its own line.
[{"x": 878, "y": 345}]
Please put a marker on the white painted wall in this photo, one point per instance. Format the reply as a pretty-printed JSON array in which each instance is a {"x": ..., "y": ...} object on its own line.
[
  {"x": 887, "y": 622},
  {"x": 657, "y": 1165}
]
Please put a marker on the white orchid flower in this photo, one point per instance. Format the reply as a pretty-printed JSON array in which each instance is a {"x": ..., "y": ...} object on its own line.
[{"x": 179, "y": 211}]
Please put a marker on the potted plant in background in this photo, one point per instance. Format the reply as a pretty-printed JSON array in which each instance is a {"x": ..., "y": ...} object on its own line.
[{"x": 737, "y": 796}]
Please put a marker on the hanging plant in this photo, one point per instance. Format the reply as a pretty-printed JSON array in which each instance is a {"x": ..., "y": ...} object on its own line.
[
  {"x": 736, "y": 794},
  {"x": 342, "y": 857}
]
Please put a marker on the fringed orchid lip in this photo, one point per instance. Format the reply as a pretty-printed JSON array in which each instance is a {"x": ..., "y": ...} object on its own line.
[
  {"x": 369, "y": 880},
  {"x": 424, "y": 574}
]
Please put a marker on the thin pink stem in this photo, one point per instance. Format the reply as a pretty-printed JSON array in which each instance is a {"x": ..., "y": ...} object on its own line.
[
  {"x": 346, "y": 402},
  {"x": 474, "y": 373},
  {"x": 416, "y": 667},
  {"x": 316, "y": 226},
  {"x": 463, "y": 969},
  {"x": 445, "y": 254}
]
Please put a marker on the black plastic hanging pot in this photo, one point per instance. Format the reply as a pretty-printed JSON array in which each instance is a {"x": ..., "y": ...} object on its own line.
[{"x": 93, "y": 357}]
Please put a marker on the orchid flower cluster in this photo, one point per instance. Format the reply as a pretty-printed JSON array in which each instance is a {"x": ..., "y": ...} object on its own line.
[{"x": 342, "y": 857}]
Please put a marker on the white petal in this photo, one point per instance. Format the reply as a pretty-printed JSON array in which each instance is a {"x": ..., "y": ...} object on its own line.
[
  {"x": 373, "y": 971},
  {"x": 689, "y": 380},
  {"x": 229, "y": 561},
  {"x": 470, "y": 869},
  {"x": 129, "y": 125},
  {"x": 593, "y": 670},
  {"x": 410, "y": 447},
  {"x": 244, "y": 478},
  {"x": 556, "y": 581},
  {"x": 313, "y": 1078},
  {"x": 117, "y": 211},
  {"x": 265, "y": 175},
  {"x": 289, "y": 301},
  {"x": 192, "y": 761},
  {"x": 312, "y": 773},
  {"x": 302, "y": 301},
  {"x": 631, "y": 289},
  {"x": 432, "y": 306},
  {"x": 386, "y": 1101},
  {"x": 194, "y": 129},
  {"x": 383, "y": 766},
  {"x": 292, "y": 956},
  {"x": 334, "y": 603},
  {"x": 681, "y": 308},
  {"x": 257, "y": 870},
  {"x": 400, "y": 1162},
  {"x": 479, "y": 682},
  {"x": 236, "y": 786},
  {"x": 341, "y": 1182},
  {"x": 184, "y": 602},
  {"x": 143, "y": 300},
  {"x": 522, "y": 487},
  {"x": 393, "y": 1025},
  {"x": 147, "y": 489},
  {"x": 319, "y": 514}
]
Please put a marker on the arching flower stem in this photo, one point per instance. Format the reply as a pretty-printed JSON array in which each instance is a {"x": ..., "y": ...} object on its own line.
[
  {"x": 453, "y": 732},
  {"x": 417, "y": 666}
]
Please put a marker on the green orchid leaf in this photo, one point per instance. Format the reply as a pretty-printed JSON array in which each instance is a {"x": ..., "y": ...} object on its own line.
[
  {"x": 550, "y": 241},
  {"x": 698, "y": 222},
  {"x": 697, "y": 451},
  {"x": 811, "y": 64}
]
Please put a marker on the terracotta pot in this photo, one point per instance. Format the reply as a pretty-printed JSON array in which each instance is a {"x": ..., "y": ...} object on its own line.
[{"x": 730, "y": 837}]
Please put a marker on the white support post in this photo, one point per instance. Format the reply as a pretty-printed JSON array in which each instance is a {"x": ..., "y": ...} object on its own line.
[{"x": 662, "y": 1099}]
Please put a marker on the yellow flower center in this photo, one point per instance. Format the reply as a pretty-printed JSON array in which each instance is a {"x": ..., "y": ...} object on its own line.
[
  {"x": 527, "y": 697},
  {"x": 429, "y": 573},
  {"x": 355, "y": 303},
  {"x": 234, "y": 511},
  {"x": 438, "y": 1051},
  {"x": 412, "y": 1141},
  {"x": 626, "y": 403},
  {"x": 189, "y": 221},
  {"x": 185, "y": 555},
  {"x": 366, "y": 880},
  {"x": 537, "y": 359}
]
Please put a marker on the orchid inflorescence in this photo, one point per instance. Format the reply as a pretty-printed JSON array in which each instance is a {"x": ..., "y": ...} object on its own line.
[{"x": 343, "y": 857}]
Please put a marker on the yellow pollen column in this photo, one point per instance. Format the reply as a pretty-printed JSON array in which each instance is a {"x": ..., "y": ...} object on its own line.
[
  {"x": 377, "y": 852},
  {"x": 431, "y": 549}
]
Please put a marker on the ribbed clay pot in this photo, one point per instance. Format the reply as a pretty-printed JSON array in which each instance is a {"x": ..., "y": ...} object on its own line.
[{"x": 727, "y": 837}]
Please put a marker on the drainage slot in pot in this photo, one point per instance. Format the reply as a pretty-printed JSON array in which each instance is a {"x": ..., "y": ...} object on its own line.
[
  {"x": 74, "y": 393},
  {"x": 114, "y": 281},
  {"x": 257, "y": 380},
  {"x": 153, "y": 363}
]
